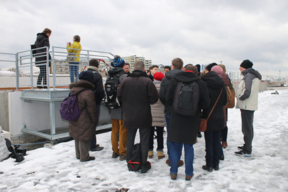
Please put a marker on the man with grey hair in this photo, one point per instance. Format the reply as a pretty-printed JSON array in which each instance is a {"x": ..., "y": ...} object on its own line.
[{"x": 137, "y": 92}]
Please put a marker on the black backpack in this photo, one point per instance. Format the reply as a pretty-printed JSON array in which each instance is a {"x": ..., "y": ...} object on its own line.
[
  {"x": 186, "y": 98},
  {"x": 134, "y": 164},
  {"x": 111, "y": 87}
]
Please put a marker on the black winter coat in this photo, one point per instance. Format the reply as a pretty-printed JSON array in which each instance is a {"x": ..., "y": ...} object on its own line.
[
  {"x": 164, "y": 87},
  {"x": 137, "y": 92},
  {"x": 215, "y": 84},
  {"x": 42, "y": 40},
  {"x": 98, "y": 83},
  {"x": 184, "y": 129}
]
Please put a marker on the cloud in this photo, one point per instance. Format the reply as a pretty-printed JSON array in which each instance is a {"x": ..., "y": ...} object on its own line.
[{"x": 196, "y": 31}]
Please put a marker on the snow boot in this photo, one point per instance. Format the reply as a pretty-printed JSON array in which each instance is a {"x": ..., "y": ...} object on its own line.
[
  {"x": 150, "y": 154},
  {"x": 160, "y": 154}
]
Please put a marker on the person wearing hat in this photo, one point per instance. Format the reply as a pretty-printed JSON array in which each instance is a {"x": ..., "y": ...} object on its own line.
[
  {"x": 119, "y": 131},
  {"x": 158, "y": 120},
  {"x": 82, "y": 129},
  {"x": 247, "y": 102}
]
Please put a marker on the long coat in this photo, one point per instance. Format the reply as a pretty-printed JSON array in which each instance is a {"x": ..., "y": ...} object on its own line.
[
  {"x": 83, "y": 128},
  {"x": 184, "y": 129},
  {"x": 42, "y": 40},
  {"x": 157, "y": 110},
  {"x": 215, "y": 84},
  {"x": 137, "y": 92}
]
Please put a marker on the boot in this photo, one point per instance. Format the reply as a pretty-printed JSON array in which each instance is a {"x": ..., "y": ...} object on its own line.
[
  {"x": 150, "y": 154},
  {"x": 160, "y": 154}
]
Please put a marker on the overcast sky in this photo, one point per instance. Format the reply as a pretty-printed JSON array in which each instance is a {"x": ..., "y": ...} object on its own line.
[{"x": 196, "y": 31}]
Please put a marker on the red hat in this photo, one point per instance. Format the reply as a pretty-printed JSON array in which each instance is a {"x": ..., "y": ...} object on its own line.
[{"x": 158, "y": 76}]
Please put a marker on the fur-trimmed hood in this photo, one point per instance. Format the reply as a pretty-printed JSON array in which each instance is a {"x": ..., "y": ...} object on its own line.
[
  {"x": 93, "y": 68},
  {"x": 80, "y": 85}
]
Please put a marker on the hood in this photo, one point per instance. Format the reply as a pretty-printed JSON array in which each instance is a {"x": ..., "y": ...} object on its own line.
[
  {"x": 225, "y": 78},
  {"x": 92, "y": 68},
  {"x": 41, "y": 36},
  {"x": 137, "y": 73},
  {"x": 213, "y": 80},
  {"x": 252, "y": 71},
  {"x": 172, "y": 73},
  {"x": 115, "y": 70},
  {"x": 186, "y": 77},
  {"x": 80, "y": 85}
]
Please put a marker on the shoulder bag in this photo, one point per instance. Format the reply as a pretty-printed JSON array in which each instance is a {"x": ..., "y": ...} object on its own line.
[{"x": 203, "y": 122}]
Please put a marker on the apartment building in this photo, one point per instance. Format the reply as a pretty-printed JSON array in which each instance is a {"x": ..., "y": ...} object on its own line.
[{"x": 131, "y": 60}]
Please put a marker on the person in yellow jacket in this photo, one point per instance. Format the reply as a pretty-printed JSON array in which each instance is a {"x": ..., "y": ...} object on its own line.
[{"x": 75, "y": 47}]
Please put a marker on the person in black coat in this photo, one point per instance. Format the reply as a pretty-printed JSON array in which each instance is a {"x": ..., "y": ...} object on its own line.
[
  {"x": 216, "y": 121},
  {"x": 184, "y": 129},
  {"x": 42, "y": 40},
  {"x": 99, "y": 95},
  {"x": 137, "y": 92}
]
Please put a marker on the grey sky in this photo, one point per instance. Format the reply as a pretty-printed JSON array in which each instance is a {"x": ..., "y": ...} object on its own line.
[{"x": 196, "y": 31}]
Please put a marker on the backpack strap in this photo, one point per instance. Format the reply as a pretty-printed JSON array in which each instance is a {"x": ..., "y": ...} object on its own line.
[
  {"x": 130, "y": 163},
  {"x": 214, "y": 105}
]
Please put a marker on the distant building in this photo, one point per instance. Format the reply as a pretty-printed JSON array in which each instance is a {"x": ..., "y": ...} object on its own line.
[{"x": 131, "y": 60}]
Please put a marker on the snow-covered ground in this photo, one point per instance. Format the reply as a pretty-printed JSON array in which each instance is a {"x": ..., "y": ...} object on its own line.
[{"x": 57, "y": 169}]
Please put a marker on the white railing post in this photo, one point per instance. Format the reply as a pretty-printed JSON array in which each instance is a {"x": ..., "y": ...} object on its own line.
[
  {"x": 54, "y": 69},
  {"x": 31, "y": 70},
  {"x": 17, "y": 71},
  {"x": 47, "y": 67}
]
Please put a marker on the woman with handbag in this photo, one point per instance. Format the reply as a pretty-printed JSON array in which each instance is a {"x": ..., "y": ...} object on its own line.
[
  {"x": 215, "y": 122},
  {"x": 73, "y": 57},
  {"x": 230, "y": 104},
  {"x": 41, "y": 59}
]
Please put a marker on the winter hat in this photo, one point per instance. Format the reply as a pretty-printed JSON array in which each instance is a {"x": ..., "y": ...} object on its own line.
[
  {"x": 158, "y": 76},
  {"x": 86, "y": 75},
  {"x": 246, "y": 64},
  {"x": 118, "y": 61},
  {"x": 198, "y": 67},
  {"x": 208, "y": 67},
  {"x": 217, "y": 69}
]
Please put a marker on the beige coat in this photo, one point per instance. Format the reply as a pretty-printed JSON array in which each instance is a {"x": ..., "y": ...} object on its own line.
[{"x": 157, "y": 110}]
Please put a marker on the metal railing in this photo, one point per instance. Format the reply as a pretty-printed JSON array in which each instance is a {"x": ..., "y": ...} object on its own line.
[{"x": 55, "y": 71}]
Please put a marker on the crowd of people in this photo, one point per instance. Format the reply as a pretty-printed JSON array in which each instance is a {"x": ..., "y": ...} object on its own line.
[{"x": 148, "y": 102}]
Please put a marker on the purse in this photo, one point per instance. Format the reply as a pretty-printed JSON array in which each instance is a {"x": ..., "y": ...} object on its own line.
[
  {"x": 203, "y": 122},
  {"x": 72, "y": 56}
]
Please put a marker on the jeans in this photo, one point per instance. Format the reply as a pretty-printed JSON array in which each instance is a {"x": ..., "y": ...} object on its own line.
[
  {"x": 247, "y": 129},
  {"x": 42, "y": 75},
  {"x": 74, "y": 71},
  {"x": 93, "y": 142},
  {"x": 159, "y": 138},
  {"x": 213, "y": 148},
  {"x": 175, "y": 154},
  {"x": 167, "y": 117}
]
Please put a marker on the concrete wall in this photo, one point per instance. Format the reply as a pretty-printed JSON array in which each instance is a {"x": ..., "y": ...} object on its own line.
[
  {"x": 4, "y": 113},
  {"x": 36, "y": 115}
]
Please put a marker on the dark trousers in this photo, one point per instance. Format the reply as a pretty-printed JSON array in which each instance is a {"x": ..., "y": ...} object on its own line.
[
  {"x": 82, "y": 150},
  {"x": 159, "y": 131},
  {"x": 247, "y": 129},
  {"x": 224, "y": 134},
  {"x": 213, "y": 148},
  {"x": 144, "y": 140},
  {"x": 93, "y": 142},
  {"x": 42, "y": 75}
]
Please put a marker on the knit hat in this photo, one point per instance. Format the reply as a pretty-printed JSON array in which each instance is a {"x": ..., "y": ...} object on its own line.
[
  {"x": 208, "y": 67},
  {"x": 86, "y": 75},
  {"x": 158, "y": 76},
  {"x": 246, "y": 64},
  {"x": 217, "y": 69},
  {"x": 118, "y": 61}
]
